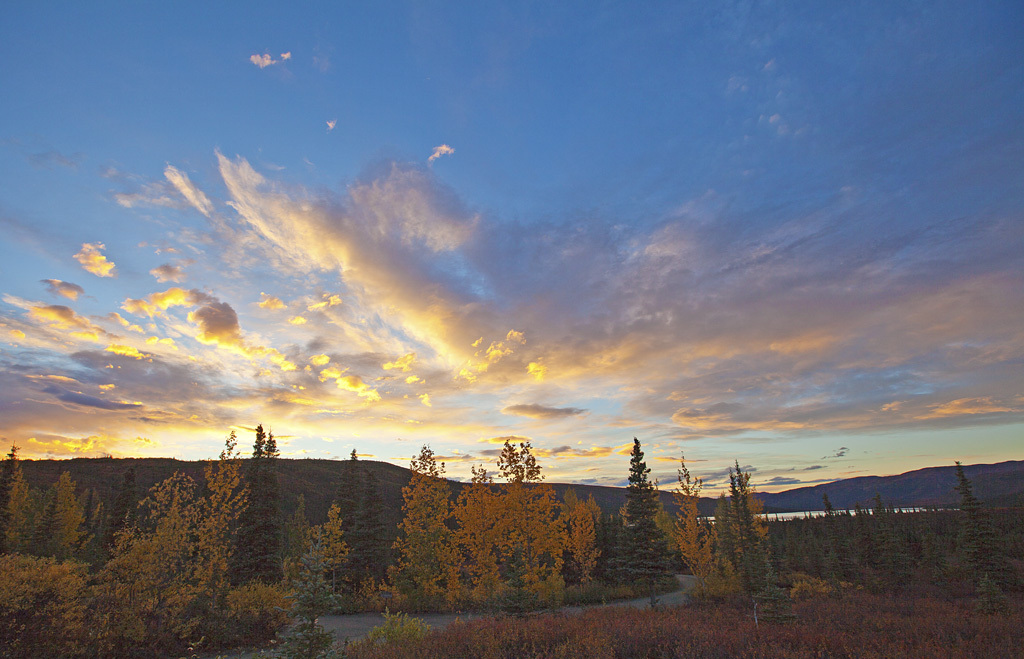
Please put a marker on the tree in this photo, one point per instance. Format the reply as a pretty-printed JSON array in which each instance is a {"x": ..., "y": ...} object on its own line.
[
  {"x": 68, "y": 534},
  {"x": 311, "y": 598},
  {"x": 694, "y": 535},
  {"x": 978, "y": 545},
  {"x": 646, "y": 547},
  {"x": 7, "y": 475},
  {"x": 332, "y": 534},
  {"x": 747, "y": 531},
  {"x": 258, "y": 547},
  {"x": 477, "y": 533},
  {"x": 123, "y": 509},
  {"x": 427, "y": 566},
  {"x": 581, "y": 534},
  {"x": 528, "y": 526}
]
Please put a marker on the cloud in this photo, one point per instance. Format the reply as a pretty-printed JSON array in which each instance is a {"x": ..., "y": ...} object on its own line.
[
  {"x": 262, "y": 61},
  {"x": 331, "y": 123},
  {"x": 319, "y": 360},
  {"x": 535, "y": 411},
  {"x": 286, "y": 56},
  {"x": 188, "y": 190},
  {"x": 218, "y": 324},
  {"x": 443, "y": 150},
  {"x": 168, "y": 272},
  {"x": 65, "y": 318},
  {"x": 511, "y": 439},
  {"x": 270, "y": 302},
  {"x": 838, "y": 453},
  {"x": 126, "y": 351},
  {"x": 298, "y": 320},
  {"x": 156, "y": 303},
  {"x": 92, "y": 259},
  {"x": 63, "y": 288},
  {"x": 355, "y": 384},
  {"x": 78, "y": 398},
  {"x": 327, "y": 302},
  {"x": 966, "y": 406},
  {"x": 403, "y": 364}
]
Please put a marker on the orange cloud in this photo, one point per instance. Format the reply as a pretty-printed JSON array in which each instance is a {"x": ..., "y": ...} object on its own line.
[
  {"x": 403, "y": 363},
  {"x": 157, "y": 303},
  {"x": 965, "y": 406}
]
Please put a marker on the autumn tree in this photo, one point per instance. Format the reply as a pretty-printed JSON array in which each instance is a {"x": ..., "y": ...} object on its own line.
[
  {"x": 477, "y": 534},
  {"x": 69, "y": 519},
  {"x": 19, "y": 508},
  {"x": 427, "y": 566},
  {"x": 528, "y": 522},
  {"x": 694, "y": 535},
  {"x": 332, "y": 536},
  {"x": 646, "y": 546},
  {"x": 581, "y": 535},
  {"x": 257, "y": 553}
]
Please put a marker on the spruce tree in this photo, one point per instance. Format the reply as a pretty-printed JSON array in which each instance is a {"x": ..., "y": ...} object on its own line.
[
  {"x": 645, "y": 544},
  {"x": 748, "y": 530},
  {"x": 978, "y": 545},
  {"x": 6, "y": 481},
  {"x": 257, "y": 553},
  {"x": 122, "y": 510}
]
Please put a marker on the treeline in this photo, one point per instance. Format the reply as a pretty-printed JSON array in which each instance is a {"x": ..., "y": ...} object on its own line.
[{"x": 211, "y": 563}]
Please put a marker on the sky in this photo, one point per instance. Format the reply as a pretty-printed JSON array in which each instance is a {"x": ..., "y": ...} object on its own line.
[{"x": 788, "y": 236}]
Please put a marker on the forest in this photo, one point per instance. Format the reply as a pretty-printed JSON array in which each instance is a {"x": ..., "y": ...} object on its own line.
[{"x": 194, "y": 566}]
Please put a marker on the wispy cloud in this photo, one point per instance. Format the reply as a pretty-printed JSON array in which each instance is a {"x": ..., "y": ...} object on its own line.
[
  {"x": 443, "y": 150},
  {"x": 331, "y": 123},
  {"x": 93, "y": 260},
  {"x": 168, "y": 272},
  {"x": 535, "y": 411},
  {"x": 188, "y": 190}
]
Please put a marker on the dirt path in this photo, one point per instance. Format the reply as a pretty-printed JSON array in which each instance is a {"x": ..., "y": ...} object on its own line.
[{"x": 356, "y": 625}]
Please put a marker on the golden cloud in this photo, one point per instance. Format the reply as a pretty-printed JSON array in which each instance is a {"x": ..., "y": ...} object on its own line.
[
  {"x": 93, "y": 260},
  {"x": 188, "y": 190},
  {"x": 126, "y": 351},
  {"x": 403, "y": 364},
  {"x": 355, "y": 384},
  {"x": 270, "y": 302},
  {"x": 157, "y": 303},
  {"x": 319, "y": 360},
  {"x": 297, "y": 320},
  {"x": 62, "y": 317},
  {"x": 326, "y": 303}
]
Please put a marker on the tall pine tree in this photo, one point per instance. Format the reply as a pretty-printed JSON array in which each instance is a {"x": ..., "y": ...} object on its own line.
[
  {"x": 7, "y": 476},
  {"x": 645, "y": 544},
  {"x": 257, "y": 555}
]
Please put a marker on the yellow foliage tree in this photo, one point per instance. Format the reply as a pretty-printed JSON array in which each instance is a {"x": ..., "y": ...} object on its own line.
[
  {"x": 19, "y": 529},
  {"x": 478, "y": 534},
  {"x": 694, "y": 536},
  {"x": 581, "y": 534},
  {"x": 529, "y": 526},
  {"x": 68, "y": 517},
  {"x": 332, "y": 536},
  {"x": 428, "y": 565}
]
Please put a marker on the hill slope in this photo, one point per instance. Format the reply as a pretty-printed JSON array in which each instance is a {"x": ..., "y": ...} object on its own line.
[{"x": 317, "y": 482}]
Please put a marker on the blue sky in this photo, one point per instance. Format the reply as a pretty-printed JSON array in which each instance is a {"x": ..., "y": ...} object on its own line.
[{"x": 788, "y": 235}]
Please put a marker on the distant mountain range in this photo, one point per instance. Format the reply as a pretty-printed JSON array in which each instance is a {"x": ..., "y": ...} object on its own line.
[{"x": 317, "y": 482}]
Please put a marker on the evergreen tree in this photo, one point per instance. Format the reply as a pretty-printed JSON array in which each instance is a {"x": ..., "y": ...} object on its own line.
[
  {"x": 7, "y": 476},
  {"x": 749, "y": 530},
  {"x": 257, "y": 553},
  {"x": 123, "y": 509},
  {"x": 978, "y": 545},
  {"x": 694, "y": 536},
  {"x": 646, "y": 546},
  {"x": 369, "y": 554}
]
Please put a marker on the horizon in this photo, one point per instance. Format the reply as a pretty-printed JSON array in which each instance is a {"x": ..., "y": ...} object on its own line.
[{"x": 791, "y": 237}]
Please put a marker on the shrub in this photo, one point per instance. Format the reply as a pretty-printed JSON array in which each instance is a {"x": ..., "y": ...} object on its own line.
[
  {"x": 806, "y": 586},
  {"x": 398, "y": 629},
  {"x": 257, "y": 611},
  {"x": 43, "y": 607}
]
